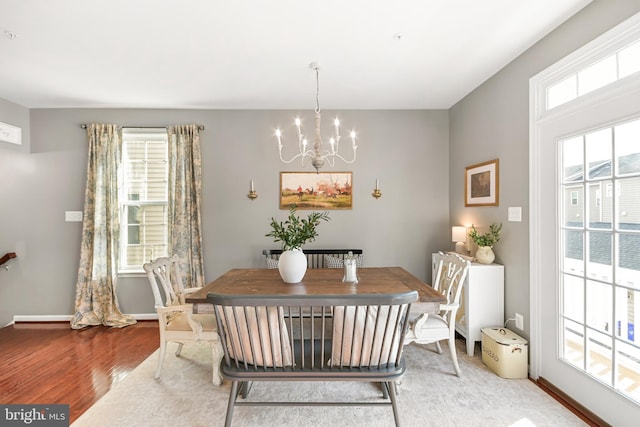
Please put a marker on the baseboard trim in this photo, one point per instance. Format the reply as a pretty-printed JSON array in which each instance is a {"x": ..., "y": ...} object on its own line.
[
  {"x": 568, "y": 402},
  {"x": 45, "y": 318}
]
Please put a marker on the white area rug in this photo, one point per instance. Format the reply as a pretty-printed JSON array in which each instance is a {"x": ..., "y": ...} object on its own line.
[{"x": 430, "y": 395}]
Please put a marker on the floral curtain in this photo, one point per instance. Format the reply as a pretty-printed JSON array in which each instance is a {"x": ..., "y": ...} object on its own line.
[
  {"x": 185, "y": 200},
  {"x": 96, "y": 300}
]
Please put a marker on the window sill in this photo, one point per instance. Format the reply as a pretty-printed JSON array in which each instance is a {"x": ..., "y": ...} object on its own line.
[{"x": 131, "y": 273}]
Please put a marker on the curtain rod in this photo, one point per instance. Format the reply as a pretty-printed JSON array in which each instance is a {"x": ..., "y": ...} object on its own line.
[{"x": 200, "y": 127}]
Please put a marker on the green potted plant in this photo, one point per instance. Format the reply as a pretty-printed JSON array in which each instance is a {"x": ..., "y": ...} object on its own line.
[
  {"x": 485, "y": 242},
  {"x": 293, "y": 233}
]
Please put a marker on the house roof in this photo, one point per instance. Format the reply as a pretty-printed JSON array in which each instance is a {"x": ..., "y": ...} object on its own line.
[
  {"x": 627, "y": 164},
  {"x": 250, "y": 54}
]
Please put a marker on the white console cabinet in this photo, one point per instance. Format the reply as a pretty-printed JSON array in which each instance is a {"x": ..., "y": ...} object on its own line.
[{"x": 481, "y": 302}]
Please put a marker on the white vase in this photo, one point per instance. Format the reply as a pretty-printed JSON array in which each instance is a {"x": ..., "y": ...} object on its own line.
[
  {"x": 485, "y": 255},
  {"x": 292, "y": 265}
]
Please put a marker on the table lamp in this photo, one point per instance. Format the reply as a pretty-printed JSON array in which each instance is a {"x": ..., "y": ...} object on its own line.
[{"x": 459, "y": 236}]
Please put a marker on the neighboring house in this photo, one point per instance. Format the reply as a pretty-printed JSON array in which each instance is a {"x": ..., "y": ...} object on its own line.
[{"x": 600, "y": 204}]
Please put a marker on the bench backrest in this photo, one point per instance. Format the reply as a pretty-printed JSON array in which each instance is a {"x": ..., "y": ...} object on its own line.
[
  {"x": 309, "y": 336},
  {"x": 315, "y": 257}
]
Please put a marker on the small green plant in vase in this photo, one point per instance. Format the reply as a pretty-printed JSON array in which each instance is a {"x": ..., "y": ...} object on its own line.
[
  {"x": 295, "y": 232},
  {"x": 489, "y": 238},
  {"x": 292, "y": 234},
  {"x": 485, "y": 242}
]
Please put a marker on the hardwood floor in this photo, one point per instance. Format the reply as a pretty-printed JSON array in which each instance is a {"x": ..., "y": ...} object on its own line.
[{"x": 46, "y": 363}]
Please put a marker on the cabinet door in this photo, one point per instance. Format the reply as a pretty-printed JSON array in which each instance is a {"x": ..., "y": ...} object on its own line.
[{"x": 484, "y": 298}]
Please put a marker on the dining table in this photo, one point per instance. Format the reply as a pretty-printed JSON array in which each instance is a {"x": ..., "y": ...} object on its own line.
[{"x": 321, "y": 282}]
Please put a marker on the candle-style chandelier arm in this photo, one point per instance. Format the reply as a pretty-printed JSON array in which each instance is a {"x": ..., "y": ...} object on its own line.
[
  {"x": 302, "y": 144},
  {"x": 317, "y": 151},
  {"x": 343, "y": 159},
  {"x": 318, "y": 154}
]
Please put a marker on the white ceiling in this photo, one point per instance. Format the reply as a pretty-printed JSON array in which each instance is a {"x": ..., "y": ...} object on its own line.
[{"x": 253, "y": 54}]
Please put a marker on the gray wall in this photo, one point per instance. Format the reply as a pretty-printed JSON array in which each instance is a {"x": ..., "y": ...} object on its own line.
[
  {"x": 406, "y": 150},
  {"x": 493, "y": 122}
]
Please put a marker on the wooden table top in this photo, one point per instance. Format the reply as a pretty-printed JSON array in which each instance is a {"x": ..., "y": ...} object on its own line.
[{"x": 318, "y": 281}]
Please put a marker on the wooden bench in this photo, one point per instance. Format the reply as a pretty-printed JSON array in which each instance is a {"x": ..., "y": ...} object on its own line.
[
  {"x": 315, "y": 257},
  {"x": 357, "y": 337}
]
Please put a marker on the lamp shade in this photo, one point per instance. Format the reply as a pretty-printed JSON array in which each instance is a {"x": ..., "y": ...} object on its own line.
[{"x": 458, "y": 234}]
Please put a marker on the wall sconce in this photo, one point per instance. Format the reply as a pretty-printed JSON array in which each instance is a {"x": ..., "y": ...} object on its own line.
[
  {"x": 376, "y": 192},
  {"x": 459, "y": 236},
  {"x": 252, "y": 192}
]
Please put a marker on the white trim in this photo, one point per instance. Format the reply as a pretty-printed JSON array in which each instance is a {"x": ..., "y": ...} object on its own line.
[
  {"x": 534, "y": 235},
  {"x": 606, "y": 44},
  {"x": 26, "y": 318}
]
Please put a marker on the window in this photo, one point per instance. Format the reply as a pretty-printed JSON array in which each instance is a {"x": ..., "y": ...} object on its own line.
[
  {"x": 596, "y": 75},
  {"x": 574, "y": 198},
  {"x": 143, "y": 197},
  {"x": 600, "y": 265}
]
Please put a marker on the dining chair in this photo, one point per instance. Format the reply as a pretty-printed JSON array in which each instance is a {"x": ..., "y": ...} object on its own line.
[
  {"x": 428, "y": 328},
  {"x": 176, "y": 319}
]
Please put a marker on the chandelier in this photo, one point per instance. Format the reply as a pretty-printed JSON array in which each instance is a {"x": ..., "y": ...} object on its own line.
[{"x": 317, "y": 154}]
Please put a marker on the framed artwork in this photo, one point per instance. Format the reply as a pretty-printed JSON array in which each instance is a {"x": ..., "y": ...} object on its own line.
[
  {"x": 481, "y": 185},
  {"x": 316, "y": 191}
]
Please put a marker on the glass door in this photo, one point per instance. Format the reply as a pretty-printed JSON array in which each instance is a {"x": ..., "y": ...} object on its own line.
[{"x": 599, "y": 259}]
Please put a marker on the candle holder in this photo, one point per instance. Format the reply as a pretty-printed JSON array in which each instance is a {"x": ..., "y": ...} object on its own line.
[
  {"x": 350, "y": 268},
  {"x": 252, "y": 192},
  {"x": 376, "y": 191}
]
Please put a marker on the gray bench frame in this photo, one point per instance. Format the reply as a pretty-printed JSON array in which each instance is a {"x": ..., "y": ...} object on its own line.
[
  {"x": 310, "y": 338},
  {"x": 315, "y": 257}
]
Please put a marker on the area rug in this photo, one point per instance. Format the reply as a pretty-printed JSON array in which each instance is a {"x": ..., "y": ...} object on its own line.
[{"x": 429, "y": 395}]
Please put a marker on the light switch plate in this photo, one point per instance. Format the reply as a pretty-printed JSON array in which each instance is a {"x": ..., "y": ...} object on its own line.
[
  {"x": 515, "y": 213},
  {"x": 73, "y": 216}
]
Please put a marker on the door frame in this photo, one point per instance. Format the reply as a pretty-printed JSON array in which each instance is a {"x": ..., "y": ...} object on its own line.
[{"x": 612, "y": 102}]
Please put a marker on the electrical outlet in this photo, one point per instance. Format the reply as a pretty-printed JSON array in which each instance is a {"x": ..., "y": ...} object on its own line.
[{"x": 520, "y": 321}]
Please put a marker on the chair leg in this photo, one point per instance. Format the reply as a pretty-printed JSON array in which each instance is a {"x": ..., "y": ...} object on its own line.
[
  {"x": 438, "y": 348},
  {"x": 163, "y": 351},
  {"x": 179, "y": 350},
  {"x": 216, "y": 349},
  {"x": 245, "y": 388},
  {"x": 394, "y": 402},
  {"x": 385, "y": 391},
  {"x": 232, "y": 398},
  {"x": 454, "y": 355}
]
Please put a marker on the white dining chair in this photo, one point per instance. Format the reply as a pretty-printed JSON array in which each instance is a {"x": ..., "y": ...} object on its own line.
[
  {"x": 176, "y": 319},
  {"x": 432, "y": 328}
]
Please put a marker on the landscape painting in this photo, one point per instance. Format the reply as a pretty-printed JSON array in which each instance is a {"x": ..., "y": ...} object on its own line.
[
  {"x": 316, "y": 191},
  {"x": 481, "y": 185}
]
